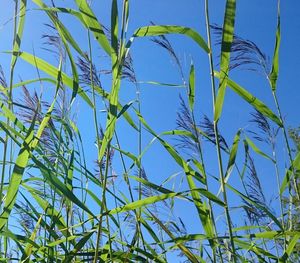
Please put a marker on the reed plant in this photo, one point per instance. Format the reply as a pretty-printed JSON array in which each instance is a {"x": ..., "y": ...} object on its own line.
[{"x": 61, "y": 201}]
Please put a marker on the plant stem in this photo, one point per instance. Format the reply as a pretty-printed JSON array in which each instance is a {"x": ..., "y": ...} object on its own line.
[
  {"x": 213, "y": 87},
  {"x": 286, "y": 142},
  {"x": 10, "y": 105}
]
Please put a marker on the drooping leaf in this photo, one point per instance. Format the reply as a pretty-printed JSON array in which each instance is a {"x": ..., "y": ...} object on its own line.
[
  {"x": 52, "y": 71},
  {"x": 256, "y": 149},
  {"x": 252, "y": 100},
  {"x": 156, "y": 30}
]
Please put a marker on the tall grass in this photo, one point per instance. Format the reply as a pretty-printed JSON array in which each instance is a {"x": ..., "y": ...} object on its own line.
[{"x": 59, "y": 203}]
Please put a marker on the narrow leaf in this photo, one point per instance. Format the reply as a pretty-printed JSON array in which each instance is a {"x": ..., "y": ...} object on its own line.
[
  {"x": 275, "y": 65},
  {"x": 257, "y": 150},
  {"x": 52, "y": 71},
  {"x": 252, "y": 100},
  {"x": 92, "y": 23},
  {"x": 19, "y": 34},
  {"x": 192, "y": 87},
  {"x": 227, "y": 38},
  {"x": 156, "y": 30}
]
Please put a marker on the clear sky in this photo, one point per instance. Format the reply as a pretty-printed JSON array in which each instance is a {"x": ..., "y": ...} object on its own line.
[{"x": 255, "y": 20}]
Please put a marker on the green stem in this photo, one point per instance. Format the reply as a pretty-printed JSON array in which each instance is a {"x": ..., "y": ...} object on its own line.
[
  {"x": 102, "y": 209},
  {"x": 103, "y": 180},
  {"x": 207, "y": 188},
  {"x": 286, "y": 142},
  {"x": 220, "y": 164},
  {"x": 290, "y": 159},
  {"x": 10, "y": 105}
]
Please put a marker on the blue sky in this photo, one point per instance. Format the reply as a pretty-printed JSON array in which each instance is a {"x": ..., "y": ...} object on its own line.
[{"x": 255, "y": 20}]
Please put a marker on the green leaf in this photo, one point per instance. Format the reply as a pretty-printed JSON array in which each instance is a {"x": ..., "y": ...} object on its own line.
[
  {"x": 179, "y": 160},
  {"x": 70, "y": 174},
  {"x": 61, "y": 29},
  {"x": 114, "y": 27},
  {"x": 192, "y": 87},
  {"x": 253, "y": 247},
  {"x": 289, "y": 250},
  {"x": 232, "y": 157},
  {"x": 203, "y": 210},
  {"x": 181, "y": 246},
  {"x": 52, "y": 71},
  {"x": 157, "y": 30},
  {"x": 16, "y": 178},
  {"x": 162, "y": 84},
  {"x": 12, "y": 117},
  {"x": 92, "y": 23},
  {"x": 142, "y": 203},
  {"x": 246, "y": 198},
  {"x": 233, "y": 153},
  {"x": 79, "y": 245},
  {"x": 295, "y": 165},
  {"x": 126, "y": 116},
  {"x": 56, "y": 217},
  {"x": 27, "y": 147},
  {"x": 26, "y": 82},
  {"x": 273, "y": 234},
  {"x": 19, "y": 34},
  {"x": 117, "y": 57},
  {"x": 61, "y": 187},
  {"x": 255, "y": 102},
  {"x": 273, "y": 76},
  {"x": 34, "y": 214},
  {"x": 227, "y": 38},
  {"x": 257, "y": 150}
]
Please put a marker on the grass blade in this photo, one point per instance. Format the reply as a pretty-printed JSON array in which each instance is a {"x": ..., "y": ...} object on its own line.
[
  {"x": 192, "y": 87},
  {"x": 62, "y": 30},
  {"x": 289, "y": 250},
  {"x": 255, "y": 102},
  {"x": 227, "y": 37},
  {"x": 182, "y": 247},
  {"x": 156, "y": 30},
  {"x": 92, "y": 23},
  {"x": 256, "y": 149},
  {"x": 16, "y": 178},
  {"x": 18, "y": 37},
  {"x": 52, "y": 71},
  {"x": 275, "y": 65},
  {"x": 294, "y": 166}
]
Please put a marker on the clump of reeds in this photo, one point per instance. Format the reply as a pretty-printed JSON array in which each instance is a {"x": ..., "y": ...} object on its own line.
[{"x": 57, "y": 207}]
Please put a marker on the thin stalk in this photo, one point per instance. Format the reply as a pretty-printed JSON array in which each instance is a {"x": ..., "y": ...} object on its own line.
[
  {"x": 278, "y": 182},
  {"x": 286, "y": 142},
  {"x": 95, "y": 118},
  {"x": 290, "y": 207},
  {"x": 220, "y": 164},
  {"x": 118, "y": 216},
  {"x": 140, "y": 161},
  {"x": 126, "y": 179},
  {"x": 83, "y": 185},
  {"x": 103, "y": 180},
  {"x": 124, "y": 168},
  {"x": 102, "y": 209},
  {"x": 94, "y": 102},
  {"x": 207, "y": 188},
  {"x": 10, "y": 105},
  {"x": 122, "y": 51},
  {"x": 53, "y": 192}
]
